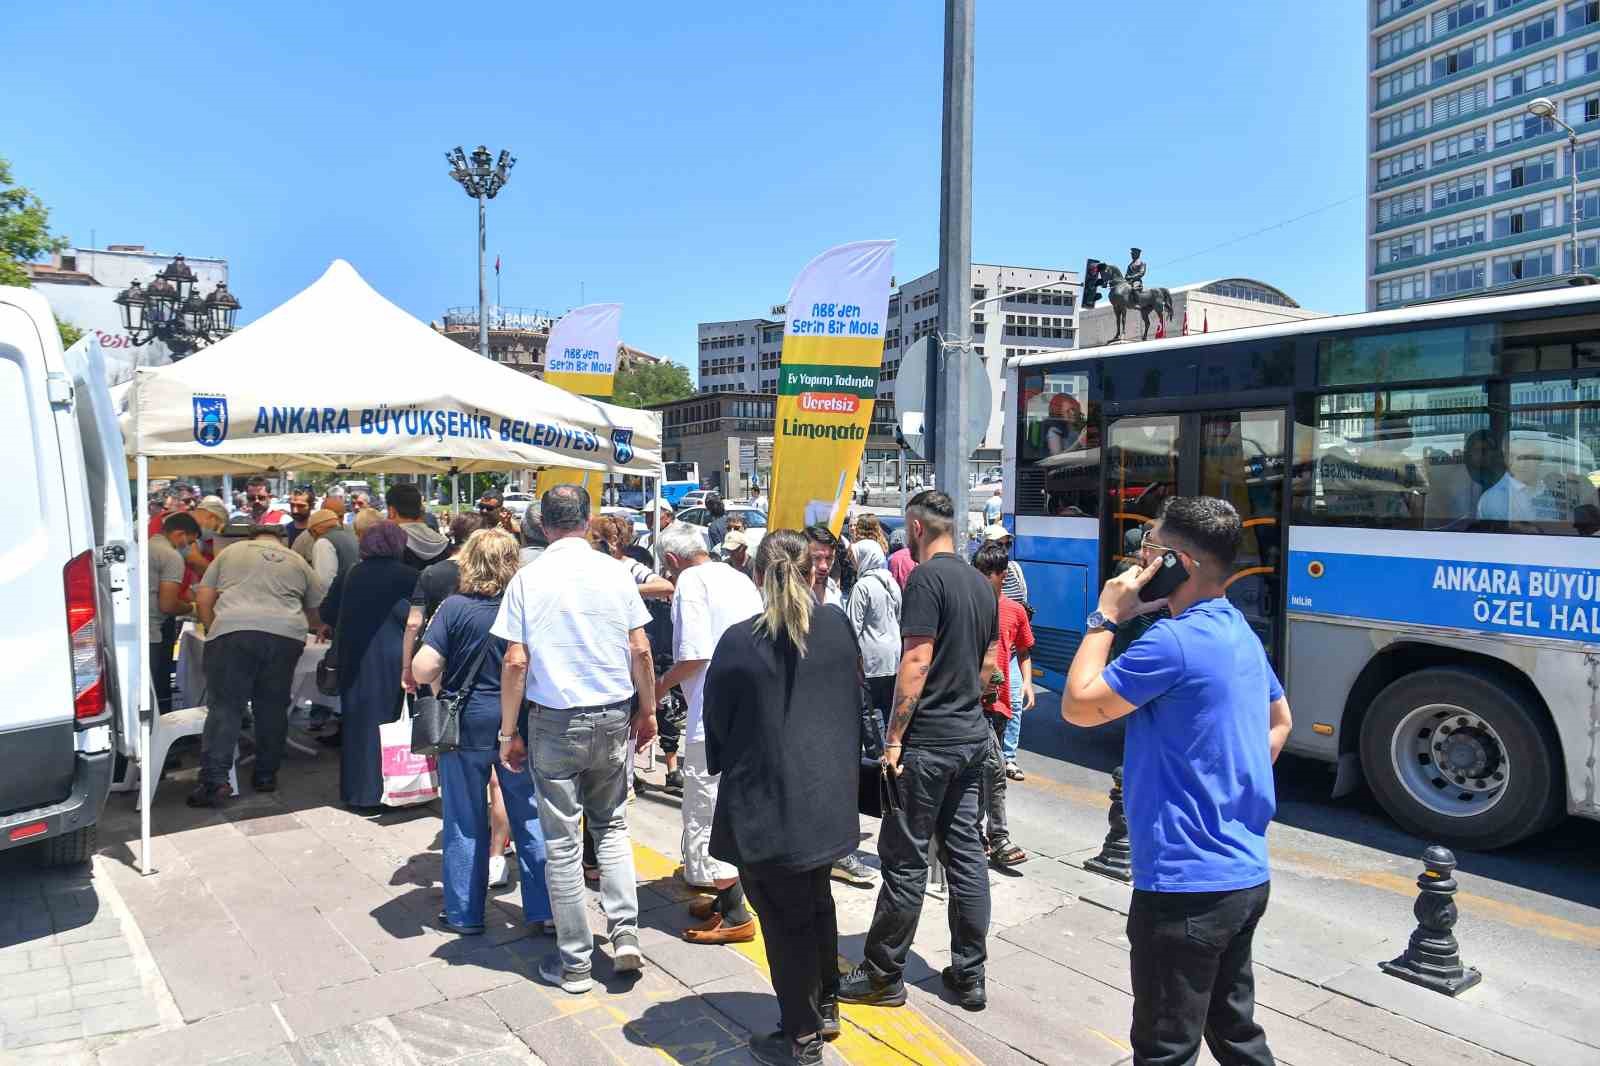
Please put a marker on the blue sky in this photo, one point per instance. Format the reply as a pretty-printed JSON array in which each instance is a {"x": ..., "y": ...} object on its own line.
[{"x": 686, "y": 160}]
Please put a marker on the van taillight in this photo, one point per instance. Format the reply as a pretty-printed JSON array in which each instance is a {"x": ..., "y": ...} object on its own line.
[{"x": 83, "y": 635}]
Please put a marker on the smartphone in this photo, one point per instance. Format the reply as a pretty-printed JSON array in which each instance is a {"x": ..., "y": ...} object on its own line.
[{"x": 1167, "y": 579}]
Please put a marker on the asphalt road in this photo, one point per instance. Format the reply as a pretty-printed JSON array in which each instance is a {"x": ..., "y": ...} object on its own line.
[{"x": 1530, "y": 913}]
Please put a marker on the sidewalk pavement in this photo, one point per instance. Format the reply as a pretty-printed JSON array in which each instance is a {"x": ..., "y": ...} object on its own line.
[{"x": 285, "y": 930}]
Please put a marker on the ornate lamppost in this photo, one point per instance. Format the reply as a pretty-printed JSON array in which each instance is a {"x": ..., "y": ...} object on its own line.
[
  {"x": 481, "y": 181},
  {"x": 170, "y": 309}
]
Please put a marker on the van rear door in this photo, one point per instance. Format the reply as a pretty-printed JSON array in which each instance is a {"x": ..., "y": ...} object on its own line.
[
  {"x": 37, "y": 542},
  {"x": 111, "y": 511}
]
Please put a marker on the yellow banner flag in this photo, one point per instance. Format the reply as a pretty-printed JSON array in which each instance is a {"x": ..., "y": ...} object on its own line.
[
  {"x": 581, "y": 357},
  {"x": 827, "y": 382}
]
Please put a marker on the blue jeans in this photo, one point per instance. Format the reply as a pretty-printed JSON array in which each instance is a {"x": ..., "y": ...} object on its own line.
[
  {"x": 580, "y": 763},
  {"x": 464, "y": 783},
  {"x": 1013, "y": 734}
]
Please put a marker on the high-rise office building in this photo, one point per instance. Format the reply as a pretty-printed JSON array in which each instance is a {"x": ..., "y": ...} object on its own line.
[
  {"x": 1467, "y": 188},
  {"x": 742, "y": 355}
]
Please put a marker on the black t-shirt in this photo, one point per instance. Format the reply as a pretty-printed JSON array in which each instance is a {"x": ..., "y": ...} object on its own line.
[
  {"x": 785, "y": 734},
  {"x": 948, "y": 600},
  {"x": 434, "y": 584}
]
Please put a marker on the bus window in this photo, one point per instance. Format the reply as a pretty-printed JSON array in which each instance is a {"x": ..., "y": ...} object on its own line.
[
  {"x": 1058, "y": 458},
  {"x": 1492, "y": 457}
]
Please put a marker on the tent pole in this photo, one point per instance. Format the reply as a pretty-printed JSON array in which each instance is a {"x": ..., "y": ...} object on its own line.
[
  {"x": 455, "y": 494},
  {"x": 655, "y": 520},
  {"x": 141, "y": 520}
]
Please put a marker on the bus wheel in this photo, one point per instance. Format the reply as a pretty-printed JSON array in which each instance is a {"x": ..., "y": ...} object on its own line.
[{"x": 1458, "y": 758}]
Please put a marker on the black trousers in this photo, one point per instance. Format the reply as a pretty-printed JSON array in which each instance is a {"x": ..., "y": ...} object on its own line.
[
  {"x": 939, "y": 792},
  {"x": 1192, "y": 977},
  {"x": 247, "y": 668},
  {"x": 161, "y": 674},
  {"x": 880, "y": 691},
  {"x": 994, "y": 783},
  {"x": 802, "y": 942}
]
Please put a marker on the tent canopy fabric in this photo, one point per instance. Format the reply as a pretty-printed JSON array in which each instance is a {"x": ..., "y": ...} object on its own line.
[{"x": 338, "y": 378}]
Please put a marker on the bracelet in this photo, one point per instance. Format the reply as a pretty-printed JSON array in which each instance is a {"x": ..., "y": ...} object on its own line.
[{"x": 888, "y": 746}]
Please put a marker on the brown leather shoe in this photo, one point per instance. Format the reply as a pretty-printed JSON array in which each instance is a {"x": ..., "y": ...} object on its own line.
[
  {"x": 715, "y": 932},
  {"x": 702, "y": 908}
]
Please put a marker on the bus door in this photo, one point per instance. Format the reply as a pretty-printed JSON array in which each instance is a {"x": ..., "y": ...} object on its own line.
[{"x": 1236, "y": 455}]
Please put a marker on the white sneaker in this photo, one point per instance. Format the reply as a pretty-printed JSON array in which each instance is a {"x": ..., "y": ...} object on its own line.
[
  {"x": 553, "y": 973},
  {"x": 625, "y": 954},
  {"x": 499, "y": 871},
  {"x": 852, "y": 870}
]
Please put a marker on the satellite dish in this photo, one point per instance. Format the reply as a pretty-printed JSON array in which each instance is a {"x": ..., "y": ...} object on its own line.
[{"x": 911, "y": 397}]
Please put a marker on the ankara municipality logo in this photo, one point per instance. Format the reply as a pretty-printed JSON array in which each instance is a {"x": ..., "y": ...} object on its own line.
[
  {"x": 622, "y": 445},
  {"x": 210, "y": 420}
]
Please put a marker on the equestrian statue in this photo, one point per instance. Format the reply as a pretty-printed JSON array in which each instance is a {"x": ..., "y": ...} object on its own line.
[{"x": 1128, "y": 291}]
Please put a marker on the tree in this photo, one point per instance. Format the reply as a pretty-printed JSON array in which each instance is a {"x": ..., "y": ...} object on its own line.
[
  {"x": 24, "y": 229},
  {"x": 648, "y": 383},
  {"x": 69, "y": 333}
]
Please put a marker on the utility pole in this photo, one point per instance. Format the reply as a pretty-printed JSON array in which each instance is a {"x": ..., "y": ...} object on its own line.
[
  {"x": 483, "y": 283},
  {"x": 947, "y": 376}
]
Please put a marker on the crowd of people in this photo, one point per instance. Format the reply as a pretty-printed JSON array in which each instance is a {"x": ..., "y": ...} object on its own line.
[{"x": 779, "y": 681}]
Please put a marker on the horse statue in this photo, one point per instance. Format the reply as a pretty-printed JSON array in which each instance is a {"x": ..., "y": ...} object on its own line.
[{"x": 1124, "y": 296}]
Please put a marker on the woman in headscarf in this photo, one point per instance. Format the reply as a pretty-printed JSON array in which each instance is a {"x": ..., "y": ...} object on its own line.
[
  {"x": 367, "y": 642},
  {"x": 874, "y": 611},
  {"x": 783, "y": 728}
]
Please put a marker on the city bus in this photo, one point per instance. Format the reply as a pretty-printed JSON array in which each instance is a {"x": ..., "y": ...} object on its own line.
[
  {"x": 1420, "y": 556},
  {"x": 680, "y": 480}
]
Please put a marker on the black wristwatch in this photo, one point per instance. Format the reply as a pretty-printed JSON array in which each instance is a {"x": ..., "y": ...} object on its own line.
[{"x": 1098, "y": 620}]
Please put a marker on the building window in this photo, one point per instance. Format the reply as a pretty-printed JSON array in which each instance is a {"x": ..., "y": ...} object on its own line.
[
  {"x": 1394, "y": 249},
  {"x": 1400, "y": 124},
  {"x": 1460, "y": 57},
  {"x": 1526, "y": 80},
  {"x": 1589, "y": 253},
  {"x": 1524, "y": 172},
  {"x": 1458, "y": 190},
  {"x": 1398, "y": 42},
  {"x": 1583, "y": 109},
  {"x": 1581, "y": 61},
  {"x": 1463, "y": 277},
  {"x": 1588, "y": 206},
  {"x": 1401, "y": 205},
  {"x": 1536, "y": 263},
  {"x": 1588, "y": 156},
  {"x": 1400, "y": 82},
  {"x": 1524, "y": 219},
  {"x": 1525, "y": 34},
  {"x": 1462, "y": 102},
  {"x": 1455, "y": 16},
  {"x": 1460, "y": 145},
  {"x": 1582, "y": 13},
  {"x": 1459, "y": 234},
  {"x": 1390, "y": 8},
  {"x": 1520, "y": 128},
  {"x": 1399, "y": 290},
  {"x": 1401, "y": 164}
]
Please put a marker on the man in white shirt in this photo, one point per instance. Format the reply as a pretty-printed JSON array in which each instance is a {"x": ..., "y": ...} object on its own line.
[
  {"x": 709, "y": 597},
  {"x": 576, "y": 648},
  {"x": 824, "y": 549}
]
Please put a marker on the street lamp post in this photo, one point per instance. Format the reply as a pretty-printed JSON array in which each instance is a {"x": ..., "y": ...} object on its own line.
[
  {"x": 171, "y": 310},
  {"x": 481, "y": 181},
  {"x": 1545, "y": 108}
]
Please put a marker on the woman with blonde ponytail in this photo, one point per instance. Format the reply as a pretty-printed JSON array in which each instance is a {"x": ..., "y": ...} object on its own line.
[{"x": 783, "y": 728}]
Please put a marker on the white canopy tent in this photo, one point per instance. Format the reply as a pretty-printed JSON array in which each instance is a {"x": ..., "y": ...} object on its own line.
[{"x": 339, "y": 379}]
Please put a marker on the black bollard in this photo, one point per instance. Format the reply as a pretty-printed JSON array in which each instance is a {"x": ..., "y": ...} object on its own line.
[
  {"x": 1113, "y": 860},
  {"x": 1433, "y": 958}
]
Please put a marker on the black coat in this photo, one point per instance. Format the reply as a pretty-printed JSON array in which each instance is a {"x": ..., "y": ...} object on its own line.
[
  {"x": 785, "y": 734},
  {"x": 374, "y": 601}
]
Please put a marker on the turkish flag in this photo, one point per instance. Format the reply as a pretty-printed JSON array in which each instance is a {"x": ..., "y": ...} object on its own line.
[
  {"x": 1185, "y": 321},
  {"x": 497, "y": 262},
  {"x": 1161, "y": 328},
  {"x": 1205, "y": 326}
]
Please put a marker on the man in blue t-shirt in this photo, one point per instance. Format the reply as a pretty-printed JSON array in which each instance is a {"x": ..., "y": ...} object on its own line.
[{"x": 1208, "y": 720}]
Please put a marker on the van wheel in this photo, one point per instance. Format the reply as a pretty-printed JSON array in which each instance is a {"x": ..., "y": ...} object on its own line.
[
  {"x": 69, "y": 849},
  {"x": 1458, "y": 758}
]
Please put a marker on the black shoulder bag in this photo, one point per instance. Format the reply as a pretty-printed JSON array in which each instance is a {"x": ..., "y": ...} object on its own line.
[{"x": 436, "y": 720}]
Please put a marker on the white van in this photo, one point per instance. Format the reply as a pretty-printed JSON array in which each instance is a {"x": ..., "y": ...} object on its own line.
[{"x": 64, "y": 544}]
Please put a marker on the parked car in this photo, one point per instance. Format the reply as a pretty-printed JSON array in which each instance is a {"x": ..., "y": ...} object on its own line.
[
  {"x": 695, "y": 498},
  {"x": 69, "y": 640},
  {"x": 516, "y": 502},
  {"x": 755, "y": 522}
]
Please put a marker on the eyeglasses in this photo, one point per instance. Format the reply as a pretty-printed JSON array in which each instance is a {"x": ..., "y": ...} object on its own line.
[
  {"x": 487, "y": 508},
  {"x": 263, "y": 498}
]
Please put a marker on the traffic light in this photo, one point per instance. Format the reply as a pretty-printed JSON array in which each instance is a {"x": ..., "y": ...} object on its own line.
[{"x": 1091, "y": 283}]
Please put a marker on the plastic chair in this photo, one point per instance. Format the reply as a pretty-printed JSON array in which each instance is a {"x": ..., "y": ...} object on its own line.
[{"x": 167, "y": 730}]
